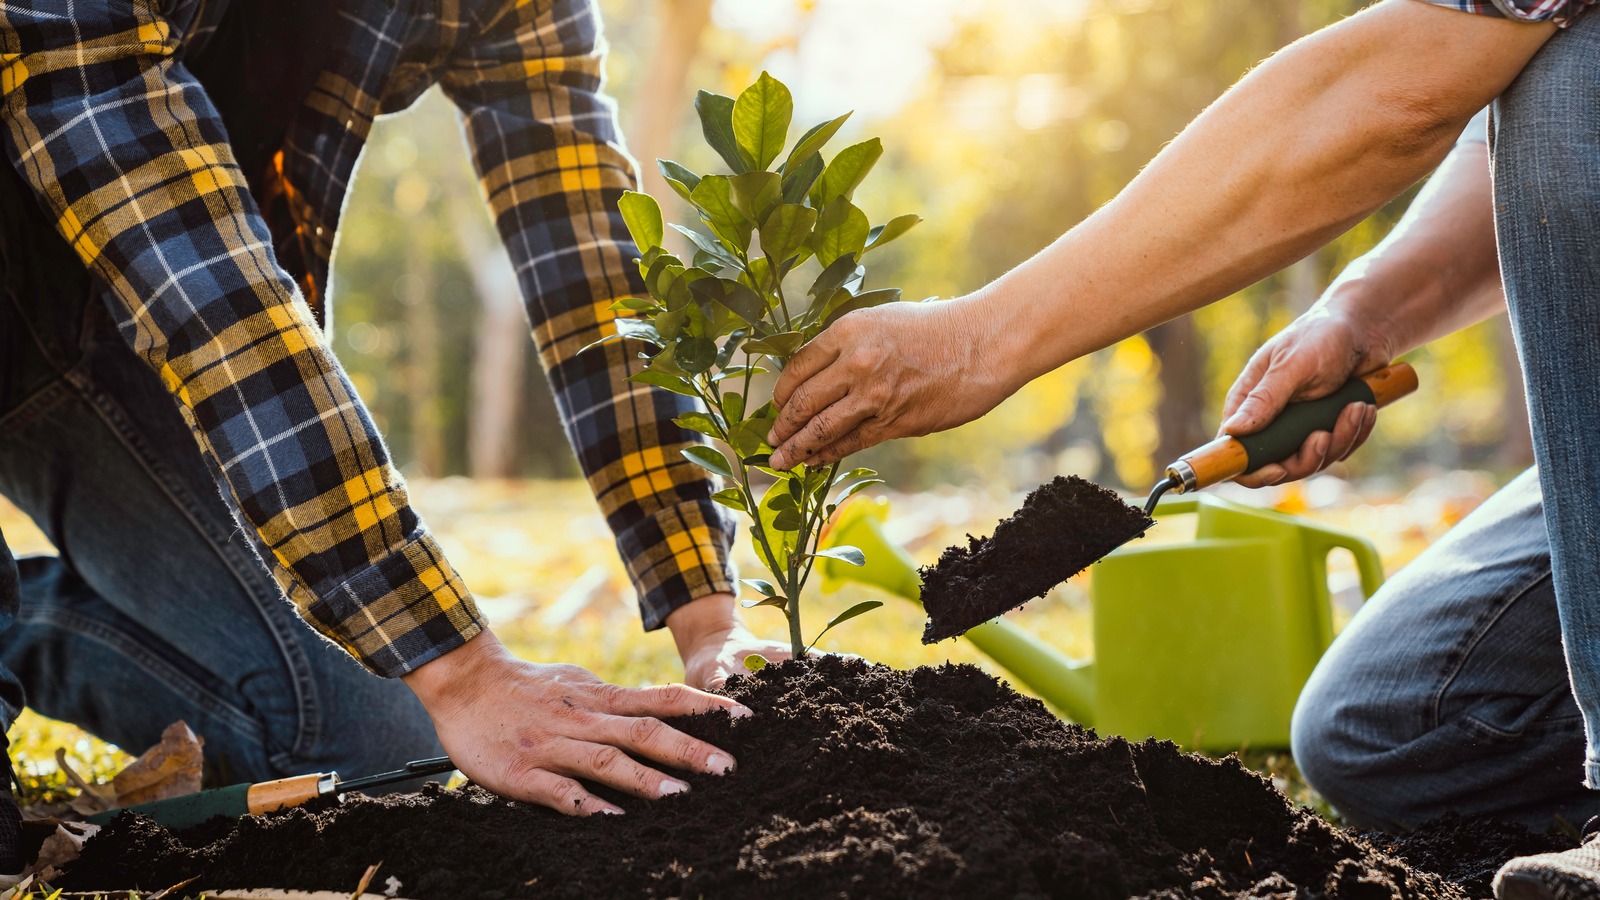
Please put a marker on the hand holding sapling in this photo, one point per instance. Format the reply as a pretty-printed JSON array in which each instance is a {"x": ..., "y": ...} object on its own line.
[{"x": 721, "y": 319}]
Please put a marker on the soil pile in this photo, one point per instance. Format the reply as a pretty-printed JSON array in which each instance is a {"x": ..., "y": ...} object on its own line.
[
  {"x": 854, "y": 780},
  {"x": 1062, "y": 527},
  {"x": 1467, "y": 851}
]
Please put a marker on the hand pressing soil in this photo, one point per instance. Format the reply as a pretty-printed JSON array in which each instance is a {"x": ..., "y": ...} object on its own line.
[
  {"x": 856, "y": 781},
  {"x": 1062, "y": 527}
]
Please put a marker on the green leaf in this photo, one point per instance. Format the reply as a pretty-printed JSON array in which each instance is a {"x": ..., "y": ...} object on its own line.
[
  {"x": 779, "y": 602},
  {"x": 862, "y": 301},
  {"x": 757, "y": 194},
  {"x": 670, "y": 323},
  {"x": 714, "y": 198},
  {"x": 663, "y": 363},
  {"x": 640, "y": 330},
  {"x": 748, "y": 438},
  {"x": 786, "y": 231},
  {"x": 834, "y": 276},
  {"x": 864, "y": 606},
  {"x": 783, "y": 541},
  {"x": 783, "y": 502},
  {"x": 744, "y": 302},
  {"x": 642, "y": 214},
  {"x": 761, "y": 586},
  {"x": 673, "y": 383},
  {"x": 853, "y": 474},
  {"x": 635, "y": 304},
  {"x": 811, "y": 143},
  {"x": 716, "y": 122},
  {"x": 797, "y": 183},
  {"x": 711, "y": 460},
  {"x": 696, "y": 354},
  {"x": 738, "y": 372},
  {"x": 844, "y": 553},
  {"x": 782, "y": 345},
  {"x": 845, "y": 173},
  {"x": 856, "y": 488},
  {"x": 610, "y": 338},
  {"x": 787, "y": 520},
  {"x": 841, "y": 231},
  {"x": 733, "y": 406},
  {"x": 695, "y": 420},
  {"x": 755, "y": 662},
  {"x": 887, "y": 232},
  {"x": 707, "y": 245},
  {"x": 677, "y": 172},
  {"x": 761, "y": 119},
  {"x": 733, "y": 498}
]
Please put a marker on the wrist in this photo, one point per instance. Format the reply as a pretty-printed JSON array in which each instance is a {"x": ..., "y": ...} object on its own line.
[
  {"x": 701, "y": 620},
  {"x": 446, "y": 680},
  {"x": 1361, "y": 310}
]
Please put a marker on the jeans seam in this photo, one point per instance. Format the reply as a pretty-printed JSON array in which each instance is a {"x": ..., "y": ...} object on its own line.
[
  {"x": 179, "y": 683},
  {"x": 1436, "y": 706},
  {"x": 37, "y": 404},
  {"x": 307, "y": 731}
]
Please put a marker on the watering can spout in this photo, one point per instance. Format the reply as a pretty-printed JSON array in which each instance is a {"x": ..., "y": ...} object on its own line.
[{"x": 1065, "y": 683}]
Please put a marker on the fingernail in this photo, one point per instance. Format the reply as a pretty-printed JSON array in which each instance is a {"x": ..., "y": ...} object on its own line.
[
  {"x": 611, "y": 811},
  {"x": 673, "y": 786},
  {"x": 772, "y": 437},
  {"x": 720, "y": 763},
  {"x": 740, "y": 712}
]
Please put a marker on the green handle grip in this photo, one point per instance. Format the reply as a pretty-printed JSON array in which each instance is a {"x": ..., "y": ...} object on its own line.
[
  {"x": 1298, "y": 421},
  {"x": 189, "y": 810}
]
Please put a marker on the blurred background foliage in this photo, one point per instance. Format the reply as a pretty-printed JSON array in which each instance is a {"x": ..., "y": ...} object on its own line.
[{"x": 1005, "y": 123}]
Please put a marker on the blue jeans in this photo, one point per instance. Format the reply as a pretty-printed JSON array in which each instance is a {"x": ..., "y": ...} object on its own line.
[
  {"x": 1450, "y": 690},
  {"x": 157, "y": 608}
]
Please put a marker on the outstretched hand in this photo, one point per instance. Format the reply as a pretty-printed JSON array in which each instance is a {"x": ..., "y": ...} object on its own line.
[
  {"x": 1311, "y": 358},
  {"x": 530, "y": 731},
  {"x": 898, "y": 370}
]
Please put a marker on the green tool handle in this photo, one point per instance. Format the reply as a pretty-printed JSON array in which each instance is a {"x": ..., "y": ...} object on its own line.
[
  {"x": 183, "y": 812},
  {"x": 1229, "y": 457}
]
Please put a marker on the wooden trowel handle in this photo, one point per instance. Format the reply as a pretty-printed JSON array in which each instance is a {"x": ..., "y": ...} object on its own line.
[{"x": 1227, "y": 457}]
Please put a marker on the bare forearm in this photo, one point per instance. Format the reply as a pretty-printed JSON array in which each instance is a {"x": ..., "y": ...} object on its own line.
[
  {"x": 1243, "y": 192},
  {"x": 1437, "y": 271}
]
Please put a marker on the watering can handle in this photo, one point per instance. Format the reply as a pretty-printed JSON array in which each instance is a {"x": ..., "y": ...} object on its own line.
[{"x": 1321, "y": 540}]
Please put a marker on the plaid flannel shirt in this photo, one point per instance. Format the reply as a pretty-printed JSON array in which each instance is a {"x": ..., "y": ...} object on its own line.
[
  {"x": 129, "y": 155},
  {"x": 1562, "y": 12}
]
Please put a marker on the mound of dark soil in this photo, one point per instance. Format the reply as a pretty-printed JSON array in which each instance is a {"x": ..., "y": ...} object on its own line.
[
  {"x": 1062, "y": 527},
  {"x": 1467, "y": 851},
  {"x": 854, "y": 780}
]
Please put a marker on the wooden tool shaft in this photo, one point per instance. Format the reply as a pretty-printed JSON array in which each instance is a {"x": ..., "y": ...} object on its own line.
[
  {"x": 1229, "y": 457},
  {"x": 269, "y": 796}
]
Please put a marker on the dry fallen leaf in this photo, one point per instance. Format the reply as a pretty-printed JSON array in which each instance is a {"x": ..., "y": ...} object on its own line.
[{"x": 169, "y": 769}]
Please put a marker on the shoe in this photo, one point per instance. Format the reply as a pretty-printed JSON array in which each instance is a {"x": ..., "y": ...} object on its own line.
[{"x": 1567, "y": 875}]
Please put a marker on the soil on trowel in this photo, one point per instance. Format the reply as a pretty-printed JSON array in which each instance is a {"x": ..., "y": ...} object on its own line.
[
  {"x": 1467, "y": 851},
  {"x": 854, "y": 780},
  {"x": 1062, "y": 527}
]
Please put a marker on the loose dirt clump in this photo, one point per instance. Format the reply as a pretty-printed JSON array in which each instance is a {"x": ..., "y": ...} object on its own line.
[
  {"x": 855, "y": 780},
  {"x": 1062, "y": 527}
]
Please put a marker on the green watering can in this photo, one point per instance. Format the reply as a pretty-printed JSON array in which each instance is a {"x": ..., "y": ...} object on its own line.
[{"x": 1206, "y": 643}]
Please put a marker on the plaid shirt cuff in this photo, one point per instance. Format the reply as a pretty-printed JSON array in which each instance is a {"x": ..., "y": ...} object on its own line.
[
  {"x": 677, "y": 554},
  {"x": 405, "y": 610},
  {"x": 1561, "y": 12}
]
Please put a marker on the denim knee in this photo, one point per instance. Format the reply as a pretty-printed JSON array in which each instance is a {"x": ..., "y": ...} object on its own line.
[{"x": 1358, "y": 779}]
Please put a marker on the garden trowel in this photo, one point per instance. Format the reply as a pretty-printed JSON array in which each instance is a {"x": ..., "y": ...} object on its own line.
[
  {"x": 236, "y": 800},
  {"x": 1069, "y": 523}
]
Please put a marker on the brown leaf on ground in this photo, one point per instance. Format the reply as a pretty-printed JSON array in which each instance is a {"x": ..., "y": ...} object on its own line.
[{"x": 169, "y": 769}]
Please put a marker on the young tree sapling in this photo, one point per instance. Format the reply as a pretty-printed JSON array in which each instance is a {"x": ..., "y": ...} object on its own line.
[{"x": 720, "y": 319}]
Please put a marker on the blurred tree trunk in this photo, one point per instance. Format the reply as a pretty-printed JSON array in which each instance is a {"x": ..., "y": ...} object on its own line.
[
  {"x": 1182, "y": 414},
  {"x": 423, "y": 350},
  {"x": 500, "y": 351},
  {"x": 663, "y": 96}
]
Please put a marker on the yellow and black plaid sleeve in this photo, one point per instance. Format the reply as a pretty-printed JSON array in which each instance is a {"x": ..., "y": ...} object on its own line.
[
  {"x": 547, "y": 148},
  {"x": 126, "y": 152}
]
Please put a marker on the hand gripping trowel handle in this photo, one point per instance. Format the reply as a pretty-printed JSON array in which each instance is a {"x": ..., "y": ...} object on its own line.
[{"x": 1229, "y": 457}]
